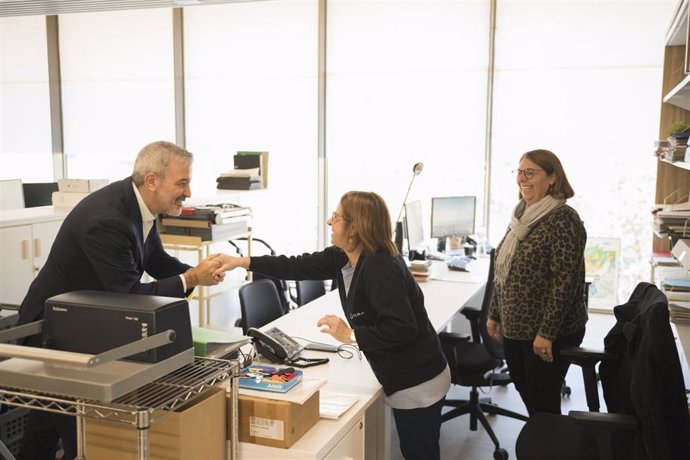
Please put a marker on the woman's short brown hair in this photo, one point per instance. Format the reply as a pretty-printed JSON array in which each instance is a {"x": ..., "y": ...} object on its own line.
[
  {"x": 367, "y": 214},
  {"x": 549, "y": 162}
]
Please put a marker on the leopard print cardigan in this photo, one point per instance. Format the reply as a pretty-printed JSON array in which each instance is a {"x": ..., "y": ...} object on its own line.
[{"x": 543, "y": 293}]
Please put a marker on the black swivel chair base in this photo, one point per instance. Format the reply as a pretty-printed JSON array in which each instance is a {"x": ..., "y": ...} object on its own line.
[{"x": 476, "y": 408}]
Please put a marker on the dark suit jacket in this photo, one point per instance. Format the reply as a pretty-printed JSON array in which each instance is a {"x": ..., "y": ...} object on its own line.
[
  {"x": 100, "y": 246},
  {"x": 647, "y": 381}
]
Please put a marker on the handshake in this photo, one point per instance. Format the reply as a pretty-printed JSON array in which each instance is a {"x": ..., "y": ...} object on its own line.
[{"x": 211, "y": 271}]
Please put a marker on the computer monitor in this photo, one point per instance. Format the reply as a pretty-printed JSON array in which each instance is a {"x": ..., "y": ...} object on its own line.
[
  {"x": 39, "y": 194},
  {"x": 414, "y": 231},
  {"x": 452, "y": 216}
]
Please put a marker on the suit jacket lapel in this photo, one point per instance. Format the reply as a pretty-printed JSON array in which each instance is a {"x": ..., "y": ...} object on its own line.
[{"x": 135, "y": 222}]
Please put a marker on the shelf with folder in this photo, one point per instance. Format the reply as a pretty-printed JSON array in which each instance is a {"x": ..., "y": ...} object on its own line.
[
  {"x": 204, "y": 294},
  {"x": 675, "y": 107}
]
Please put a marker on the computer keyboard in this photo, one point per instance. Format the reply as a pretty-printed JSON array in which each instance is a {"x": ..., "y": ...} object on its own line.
[{"x": 460, "y": 263}]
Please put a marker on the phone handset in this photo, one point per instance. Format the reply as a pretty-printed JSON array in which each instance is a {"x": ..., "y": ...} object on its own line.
[
  {"x": 275, "y": 345},
  {"x": 280, "y": 348}
]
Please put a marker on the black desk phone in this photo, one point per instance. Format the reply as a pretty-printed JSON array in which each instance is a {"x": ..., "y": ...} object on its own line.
[{"x": 275, "y": 344}]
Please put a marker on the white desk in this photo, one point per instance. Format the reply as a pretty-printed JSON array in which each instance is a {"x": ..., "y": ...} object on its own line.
[{"x": 443, "y": 299}]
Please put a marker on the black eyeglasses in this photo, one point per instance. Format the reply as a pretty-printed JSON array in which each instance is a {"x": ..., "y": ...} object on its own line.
[{"x": 528, "y": 173}]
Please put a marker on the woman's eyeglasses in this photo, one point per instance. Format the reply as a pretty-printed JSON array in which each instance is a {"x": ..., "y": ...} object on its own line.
[
  {"x": 528, "y": 173},
  {"x": 335, "y": 216}
]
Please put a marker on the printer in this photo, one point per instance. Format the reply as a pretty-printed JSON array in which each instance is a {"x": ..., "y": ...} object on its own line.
[{"x": 96, "y": 321}]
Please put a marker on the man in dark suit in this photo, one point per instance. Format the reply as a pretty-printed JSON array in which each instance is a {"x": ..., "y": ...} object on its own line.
[{"x": 106, "y": 243}]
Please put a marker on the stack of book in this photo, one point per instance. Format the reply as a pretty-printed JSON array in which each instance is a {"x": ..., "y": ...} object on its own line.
[
  {"x": 420, "y": 269},
  {"x": 676, "y": 149},
  {"x": 72, "y": 191},
  {"x": 240, "y": 179},
  {"x": 250, "y": 171},
  {"x": 210, "y": 223}
]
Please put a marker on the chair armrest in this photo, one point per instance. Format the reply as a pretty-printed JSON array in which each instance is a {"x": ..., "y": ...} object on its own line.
[
  {"x": 588, "y": 353},
  {"x": 605, "y": 420},
  {"x": 587, "y": 359},
  {"x": 452, "y": 338},
  {"x": 470, "y": 312},
  {"x": 448, "y": 341}
]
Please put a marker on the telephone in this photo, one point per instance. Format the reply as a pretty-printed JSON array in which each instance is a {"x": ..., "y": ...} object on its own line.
[{"x": 275, "y": 344}]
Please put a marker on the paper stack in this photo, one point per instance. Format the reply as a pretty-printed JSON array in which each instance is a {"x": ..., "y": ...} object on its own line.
[{"x": 680, "y": 312}]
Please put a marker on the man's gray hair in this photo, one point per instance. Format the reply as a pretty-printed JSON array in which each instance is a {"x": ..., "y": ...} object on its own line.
[{"x": 155, "y": 157}]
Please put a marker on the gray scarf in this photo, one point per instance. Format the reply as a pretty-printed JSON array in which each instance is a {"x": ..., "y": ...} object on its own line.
[{"x": 523, "y": 219}]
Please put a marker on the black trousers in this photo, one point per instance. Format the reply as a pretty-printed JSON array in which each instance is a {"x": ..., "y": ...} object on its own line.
[
  {"x": 419, "y": 431},
  {"x": 44, "y": 429},
  {"x": 42, "y": 433},
  {"x": 538, "y": 382}
]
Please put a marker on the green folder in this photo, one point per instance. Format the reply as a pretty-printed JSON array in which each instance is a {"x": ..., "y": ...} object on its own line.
[{"x": 212, "y": 343}]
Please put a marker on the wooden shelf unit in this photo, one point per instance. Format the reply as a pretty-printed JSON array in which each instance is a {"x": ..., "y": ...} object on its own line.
[{"x": 675, "y": 107}]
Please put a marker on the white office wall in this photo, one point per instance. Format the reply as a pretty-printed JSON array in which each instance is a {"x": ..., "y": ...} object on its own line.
[
  {"x": 251, "y": 84},
  {"x": 583, "y": 79},
  {"x": 25, "y": 141},
  {"x": 406, "y": 84},
  {"x": 118, "y": 94}
]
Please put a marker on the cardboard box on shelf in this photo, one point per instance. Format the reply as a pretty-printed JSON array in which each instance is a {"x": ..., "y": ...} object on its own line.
[
  {"x": 276, "y": 423},
  {"x": 81, "y": 185},
  {"x": 197, "y": 430}
]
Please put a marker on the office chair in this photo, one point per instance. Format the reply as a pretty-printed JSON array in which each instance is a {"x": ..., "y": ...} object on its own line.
[
  {"x": 259, "y": 304},
  {"x": 472, "y": 364},
  {"x": 644, "y": 391},
  {"x": 308, "y": 290}
]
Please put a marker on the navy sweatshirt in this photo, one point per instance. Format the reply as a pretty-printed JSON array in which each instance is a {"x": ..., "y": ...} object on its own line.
[{"x": 385, "y": 307}]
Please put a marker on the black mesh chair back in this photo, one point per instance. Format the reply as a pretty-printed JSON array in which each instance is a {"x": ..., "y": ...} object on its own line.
[
  {"x": 259, "y": 304},
  {"x": 308, "y": 290}
]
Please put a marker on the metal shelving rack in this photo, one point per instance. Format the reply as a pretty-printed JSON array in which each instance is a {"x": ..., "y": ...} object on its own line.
[{"x": 142, "y": 406}]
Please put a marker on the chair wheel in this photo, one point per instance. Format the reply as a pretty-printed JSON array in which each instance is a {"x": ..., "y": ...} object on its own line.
[{"x": 500, "y": 454}]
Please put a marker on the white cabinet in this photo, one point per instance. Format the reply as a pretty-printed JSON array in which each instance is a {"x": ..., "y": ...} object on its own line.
[
  {"x": 351, "y": 446},
  {"x": 25, "y": 241}
]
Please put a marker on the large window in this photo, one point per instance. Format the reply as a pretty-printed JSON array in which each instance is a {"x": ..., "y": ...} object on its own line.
[
  {"x": 251, "y": 84},
  {"x": 25, "y": 142},
  {"x": 406, "y": 84},
  {"x": 118, "y": 95},
  {"x": 583, "y": 79}
]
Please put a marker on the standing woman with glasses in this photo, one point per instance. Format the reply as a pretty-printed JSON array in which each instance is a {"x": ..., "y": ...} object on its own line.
[
  {"x": 385, "y": 315},
  {"x": 538, "y": 302}
]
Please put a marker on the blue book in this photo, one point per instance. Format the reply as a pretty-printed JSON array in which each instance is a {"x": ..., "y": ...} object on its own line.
[{"x": 269, "y": 378}]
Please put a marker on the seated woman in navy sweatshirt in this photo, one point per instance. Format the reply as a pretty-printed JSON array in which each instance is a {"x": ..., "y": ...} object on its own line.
[{"x": 384, "y": 311}]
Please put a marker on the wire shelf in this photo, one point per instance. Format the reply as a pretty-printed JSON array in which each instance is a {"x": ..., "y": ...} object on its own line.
[{"x": 157, "y": 398}]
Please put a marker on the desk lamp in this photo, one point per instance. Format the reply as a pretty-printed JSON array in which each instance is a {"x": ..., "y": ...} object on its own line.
[{"x": 416, "y": 170}]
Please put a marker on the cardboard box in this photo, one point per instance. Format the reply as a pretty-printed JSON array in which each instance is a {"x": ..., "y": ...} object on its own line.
[
  {"x": 197, "y": 430},
  {"x": 276, "y": 423},
  {"x": 67, "y": 200},
  {"x": 81, "y": 185}
]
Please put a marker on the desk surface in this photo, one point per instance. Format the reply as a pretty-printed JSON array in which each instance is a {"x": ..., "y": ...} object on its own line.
[{"x": 443, "y": 299}]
